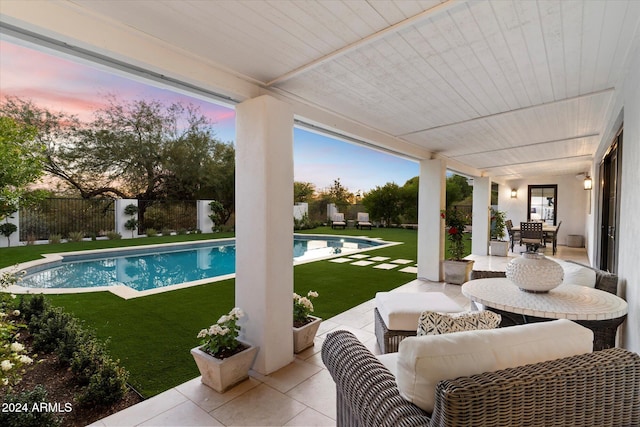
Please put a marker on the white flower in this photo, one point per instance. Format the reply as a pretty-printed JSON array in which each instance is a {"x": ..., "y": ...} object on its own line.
[
  {"x": 5, "y": 381},
  {"x": 296, "y": 297},
  {"x": 312, "y": 294},
  {"x": 224, "y": 331},
  {"x": 25, "y": 359},
  {"x": 304, "y": 301},
  {"x": 2, "y": 314},
  {"x": 237, "y": 312},
  {"x": 224, "y": 319},
  {"x": 16, "y": 312},
  {"x": 16, "y": 347},
  {"x": 13, "y": 296},
  {"x": 215, "y": 330},
  {"x": 6, "y": 365},
  {"x": 203, "y": 333}
]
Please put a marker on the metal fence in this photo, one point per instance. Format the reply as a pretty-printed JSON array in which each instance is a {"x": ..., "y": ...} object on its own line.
[
  {"x": 57, "y": 216},
  {"x": 167, "y": 215}
]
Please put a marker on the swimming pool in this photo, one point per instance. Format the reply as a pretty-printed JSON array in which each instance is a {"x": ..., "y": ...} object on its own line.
[{"x": 159, "y": 266}]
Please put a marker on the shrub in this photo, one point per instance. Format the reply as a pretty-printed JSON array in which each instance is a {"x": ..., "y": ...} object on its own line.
[
  {"x": 166, "y": 232},
  {"x": 34, "y": 306},
  {"x": 55, "y": 238},
  {"x": 50, "y": 328},
  {"x": 29, "y": 418},
  {"x": 182, "y": 231},
  {"x": 151, "y": 232},
  {"x": 112, "y": 235},
  {"x": 107, "y": 385},
  {"x": 87, "y": 360},
  {"x": 76, "y": 236}
]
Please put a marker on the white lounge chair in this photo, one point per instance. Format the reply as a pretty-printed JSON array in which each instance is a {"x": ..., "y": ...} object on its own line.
[
  {"x": 338, "y": 221},
  {"x": 363, "y": 220}
]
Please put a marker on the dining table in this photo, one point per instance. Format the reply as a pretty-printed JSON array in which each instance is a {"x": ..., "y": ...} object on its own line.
[{"x": 548, "y": 230}]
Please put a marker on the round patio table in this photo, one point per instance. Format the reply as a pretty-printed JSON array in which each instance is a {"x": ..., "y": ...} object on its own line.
[{"x": 600, "y": 311}]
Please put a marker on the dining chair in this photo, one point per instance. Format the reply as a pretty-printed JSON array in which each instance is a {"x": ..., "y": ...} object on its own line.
[
  {"x": 554, "y": 238},
  {"x": 513, "y": 235},
  {"x": 531, "y": 235}
]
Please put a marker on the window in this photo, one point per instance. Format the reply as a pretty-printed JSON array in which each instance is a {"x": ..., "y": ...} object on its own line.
[{"x": 542, "y": 204}]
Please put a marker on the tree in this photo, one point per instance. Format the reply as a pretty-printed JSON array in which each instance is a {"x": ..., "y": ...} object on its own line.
[
  {"x": 409, "y": 200},
  {"x": 303, "y": 192},
  {"x": 383, "y": 203},
  {"x": 458, "y": 189},
  {"x": 21, "y": 163},
  {"x": 339, "y": 195}
]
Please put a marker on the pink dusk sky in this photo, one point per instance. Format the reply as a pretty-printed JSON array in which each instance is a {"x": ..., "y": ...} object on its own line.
[{"x": 66, "y": 84}]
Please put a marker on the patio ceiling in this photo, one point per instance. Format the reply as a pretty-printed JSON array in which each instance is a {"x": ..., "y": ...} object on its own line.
[{"x": 506, "y": 88}]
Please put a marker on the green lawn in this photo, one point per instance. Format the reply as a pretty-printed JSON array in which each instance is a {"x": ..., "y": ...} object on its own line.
[{"x": 152, "y": 335}]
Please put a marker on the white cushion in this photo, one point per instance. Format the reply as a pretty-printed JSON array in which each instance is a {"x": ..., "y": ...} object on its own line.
[
  {"x": 400, "y": 310},
  {"x": 425, "y": 361},
  {"x": 434, "y": 323},
  {"x": 575, "y": 274},
  {"x": 390, "y": 361}
]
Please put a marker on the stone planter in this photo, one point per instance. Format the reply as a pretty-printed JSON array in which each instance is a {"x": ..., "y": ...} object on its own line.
[
  {"x": 303, "y": 337},
  {"x": 457, "y": 272},
  {"x": 499, "y": 248},
  {"x": 222, "y": 374}
]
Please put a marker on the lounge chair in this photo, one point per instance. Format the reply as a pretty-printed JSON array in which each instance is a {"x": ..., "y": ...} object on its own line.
[
  {"x": 363, "y": 221},
  {"x": 338, "y": 221}
]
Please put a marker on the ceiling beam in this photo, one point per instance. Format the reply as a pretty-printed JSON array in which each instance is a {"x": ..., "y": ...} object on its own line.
[
  {"x": 555, "y": 159},
  {"x": 530, "y": 107},
  {"x": 533, "y": 144},
  {"x": 429, "y": 13}
]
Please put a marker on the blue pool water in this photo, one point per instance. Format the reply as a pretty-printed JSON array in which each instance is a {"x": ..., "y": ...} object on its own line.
[{"x": 142, "y": 268}]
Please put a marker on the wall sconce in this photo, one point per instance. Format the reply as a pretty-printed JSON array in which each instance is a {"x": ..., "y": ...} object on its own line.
[
  {"x": 514, "y": 193},
  {"x": 588, "y": 183}
]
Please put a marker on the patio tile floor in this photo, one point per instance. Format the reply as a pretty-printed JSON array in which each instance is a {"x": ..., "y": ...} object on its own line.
[{"x": 300, "y": 394}]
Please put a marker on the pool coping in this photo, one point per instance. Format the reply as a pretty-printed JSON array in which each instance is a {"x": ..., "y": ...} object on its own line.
[{"x": 52, "y": 259}]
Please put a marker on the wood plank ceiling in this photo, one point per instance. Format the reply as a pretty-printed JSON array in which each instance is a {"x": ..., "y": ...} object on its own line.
[{"x": 511, "y": 88}]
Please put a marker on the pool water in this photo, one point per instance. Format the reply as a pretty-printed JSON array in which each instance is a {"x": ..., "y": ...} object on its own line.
[{"x": 157, "y": 268}]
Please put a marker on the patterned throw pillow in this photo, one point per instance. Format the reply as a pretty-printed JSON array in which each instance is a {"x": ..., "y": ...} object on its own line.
[{"x": 434, "y": 323}]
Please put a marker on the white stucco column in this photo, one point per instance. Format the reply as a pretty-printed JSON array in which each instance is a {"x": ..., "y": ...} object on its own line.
[
  {"x": 431, "y": 200},
  {"x": 204, "y": 210},
  {"x": 481, "y": 216},
  {"x": 264, "y": 228}
]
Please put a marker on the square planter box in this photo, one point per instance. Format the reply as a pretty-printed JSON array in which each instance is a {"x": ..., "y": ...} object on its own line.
[
  {"x": 222, "y": 374},
  {"x": 303, "y": 337}
]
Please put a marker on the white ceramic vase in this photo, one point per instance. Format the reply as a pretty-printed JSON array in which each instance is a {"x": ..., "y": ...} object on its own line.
[
  {"x": 222, "y": 374},
  {"x": 533, "y": 272},
  {"x": 303, "y": 336}
]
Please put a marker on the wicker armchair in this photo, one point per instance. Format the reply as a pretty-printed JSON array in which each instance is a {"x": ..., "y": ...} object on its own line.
[{"x": 592, "y": 390}]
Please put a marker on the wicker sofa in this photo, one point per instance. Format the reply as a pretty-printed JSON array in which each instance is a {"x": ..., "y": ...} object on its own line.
[{"x": 590, "y": 390}]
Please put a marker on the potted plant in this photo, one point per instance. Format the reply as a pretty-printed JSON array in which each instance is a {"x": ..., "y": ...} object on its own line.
[
  {"x": 456, "y": 269},
  {"x": 223, "y": 359},
  {"x": 132, "y": 223},
  {"x": 498, "y": 245},
  {"x": 305, "y": 326}
]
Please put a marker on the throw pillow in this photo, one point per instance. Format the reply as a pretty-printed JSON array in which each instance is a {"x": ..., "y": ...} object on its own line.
[{"x": 434, "y": 323}]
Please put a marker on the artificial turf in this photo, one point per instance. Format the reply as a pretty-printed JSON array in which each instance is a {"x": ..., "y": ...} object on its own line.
[{"x": 152, "y": 335}]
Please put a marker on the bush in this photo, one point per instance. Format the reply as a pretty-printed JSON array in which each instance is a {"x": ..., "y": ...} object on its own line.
[
  {"x": 55, "y": 238},
  {"x": 76, "y": 236},
  {"x": 112, "y": 235},
  {"x": 29, "y": 418},
  {"x": 34, "y": 306},
  {"x": 151, "y": 232},
  {"x": 181, "y": 231},
  {"x": 55, "y": 331},
  {"x": 166, "y": 232},
  {"x": 50, "y": 329},
  {"x": 107, "y": 385}
]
